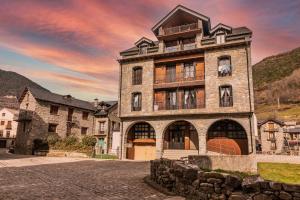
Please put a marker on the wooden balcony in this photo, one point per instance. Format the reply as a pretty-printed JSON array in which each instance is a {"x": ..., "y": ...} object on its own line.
[
  {"x": 181, "y": 47},
  {"x": 178, "y": 30},
  {"x": 165, "y": 106},
  {"x": 179, "y": 80}
]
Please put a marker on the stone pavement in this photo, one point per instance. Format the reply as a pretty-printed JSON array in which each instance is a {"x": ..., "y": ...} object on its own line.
[{"x": 27, "y": 177}]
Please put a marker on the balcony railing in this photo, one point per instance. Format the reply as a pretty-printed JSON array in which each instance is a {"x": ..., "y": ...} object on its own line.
[
  {"x": 179, "y": 77},
  {"x": 180, "y": 47},
  {"x": 25, "y": 116},
  {"x": 72, "y": 119},
  {"x": 226, "y": 103},
  {"x": 269, "y": 129},
  {"x": 179, "y": 29},
  {"x": 167, "y": 106}
]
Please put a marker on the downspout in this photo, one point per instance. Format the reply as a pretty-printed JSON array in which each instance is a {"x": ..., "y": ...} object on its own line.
[
  {"x": 249, "y": 92},
  {"x": 119, "y": 109}
]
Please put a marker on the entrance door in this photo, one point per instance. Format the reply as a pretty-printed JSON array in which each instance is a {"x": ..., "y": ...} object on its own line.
[
  {"x": 144, "y": 152},
  {"x": 177, "y": 139},
  {"x": 2, "y": 143}
]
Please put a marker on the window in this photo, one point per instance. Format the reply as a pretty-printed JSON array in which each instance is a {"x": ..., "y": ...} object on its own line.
[
  {"x": 188, "y": 43},
  {"x": 1, "y": 133},
  {"x": 171, "y": 100},
  {"x": 52, "y": 128},
  {"x": 8, "y": 126},
  {"x": 143, "y": 131},
  {"x": 2, "y": 123},
  {"x": 3, "y": 114},
  {"x": 271, "y": 135},
  {"x": 53, "y": 110},
  {"x": 143, "y": 49},
  {"x": 171, "y": 73},
  {"x": 84, "y": 130},
  {"x": 137, "y": 76},
  {"x": 226, "y": 96},
  {"x": 7, "y": 134},
  {"x": 101, "y": 127},
  {"x": 85, "y": 115},
  {"x": 273, "y": 146},
  {"x": 116, "y": 126},
  {"x": 171, "y": 46},
  {"x": 189, "y": 70},
  {"x": 224, "y": 66},
  {"x": 189, "y": 99},
  {"x": 136, "y": 101},
  {"x": 220, "y": 39}
]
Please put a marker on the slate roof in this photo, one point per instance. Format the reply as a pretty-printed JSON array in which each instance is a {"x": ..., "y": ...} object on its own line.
[
  {"x": 60, "y": 99},
  {"x": 293, "y": 130},
  {"x": 108, "y": 106},
  {"x": 281, "y": 123}
]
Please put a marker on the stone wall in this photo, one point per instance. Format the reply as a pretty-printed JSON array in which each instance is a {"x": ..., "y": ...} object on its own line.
[{"x": 191, "y": 182}]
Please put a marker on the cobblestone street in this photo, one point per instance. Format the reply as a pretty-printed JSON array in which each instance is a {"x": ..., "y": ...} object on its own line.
[{"x": 68, "y": 178}]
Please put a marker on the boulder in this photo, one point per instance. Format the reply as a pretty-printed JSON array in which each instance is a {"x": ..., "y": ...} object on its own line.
[{"x": 233, "y": 181}]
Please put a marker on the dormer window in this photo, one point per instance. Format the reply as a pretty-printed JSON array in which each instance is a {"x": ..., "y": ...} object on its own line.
[
  {"x": 224, "y": 66},
  {"x": 143, "y": 49},
  {"x": 220, "y": 38}
]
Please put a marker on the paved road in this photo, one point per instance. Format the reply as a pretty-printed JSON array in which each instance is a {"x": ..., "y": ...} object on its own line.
[{"x": 64, "y": 178}]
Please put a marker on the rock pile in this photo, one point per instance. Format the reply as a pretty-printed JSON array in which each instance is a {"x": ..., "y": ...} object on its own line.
[{"x": 193, "y": 183}]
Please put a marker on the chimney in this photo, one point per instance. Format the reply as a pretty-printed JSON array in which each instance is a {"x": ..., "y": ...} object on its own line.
[{"x": 96, "y": 102}]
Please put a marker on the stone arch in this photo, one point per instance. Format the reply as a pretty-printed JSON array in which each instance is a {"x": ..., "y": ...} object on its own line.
[
  {"x": 180, "y": 134},
  {"x": 140, "y": 140},
  {"x": 227, "y": 136}
]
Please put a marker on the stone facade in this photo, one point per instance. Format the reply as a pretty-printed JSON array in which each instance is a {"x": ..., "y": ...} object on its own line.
[
  {"x": 205, "y": 49},
  {"x": 190, "y": 181},
  {"x": 278, "y": 137},
  {"x": 8, "y": 127},
  {"x": 35, "y": 117}
]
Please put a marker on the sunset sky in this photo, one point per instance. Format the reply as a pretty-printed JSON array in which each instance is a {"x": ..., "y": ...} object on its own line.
[{"x": 71, "y": 46}]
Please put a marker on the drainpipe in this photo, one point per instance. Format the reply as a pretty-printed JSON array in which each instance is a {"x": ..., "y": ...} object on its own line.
[
  {"x": 119, "y": 110},
  {"x": 247, "y": 42}
]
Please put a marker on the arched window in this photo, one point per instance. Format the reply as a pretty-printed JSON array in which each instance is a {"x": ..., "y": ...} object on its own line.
[
  {"x": 224, "y": 66},
  {"x": 226, "y": 97},
  {"x": 137, "y": 76},
  {"x": 136, "y": 101}
]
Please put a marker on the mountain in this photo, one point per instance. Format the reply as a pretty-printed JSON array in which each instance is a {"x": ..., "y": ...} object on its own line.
[
  {"x": 12, "y": 83},
  {"x": 11, "y": 86},
  {"x": 277, "y": 86}
]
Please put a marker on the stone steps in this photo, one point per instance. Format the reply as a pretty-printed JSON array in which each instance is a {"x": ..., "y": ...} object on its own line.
[{"x": 177, "y": 154}]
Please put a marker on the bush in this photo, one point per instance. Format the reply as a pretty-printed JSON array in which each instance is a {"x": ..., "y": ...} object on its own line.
[
  {"x": 52, "y": 140},
  {"x": 89, "y": 141},
  {"x": 70, "y": 141}
]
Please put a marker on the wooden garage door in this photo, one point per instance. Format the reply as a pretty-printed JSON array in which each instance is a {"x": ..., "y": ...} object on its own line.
[
  {"x": 144, "y": 152},
  {"x": 2, "y": 143}
]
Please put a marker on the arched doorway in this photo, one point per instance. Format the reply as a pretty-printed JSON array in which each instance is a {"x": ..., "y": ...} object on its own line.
[
  {"x": 227, "y": 137},
  {"x": 181, "y": 135},
  {"x": 141, "y": 142}
]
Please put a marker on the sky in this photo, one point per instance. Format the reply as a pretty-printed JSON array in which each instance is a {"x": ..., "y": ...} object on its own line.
[{"x": 72, "y": 46}]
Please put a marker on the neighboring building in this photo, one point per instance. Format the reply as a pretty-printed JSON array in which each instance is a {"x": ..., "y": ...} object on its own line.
[
  {"x": 107, "y": 127},
  {"x": 43, "y": 113},
  {"x": 278, "y": 137},
  {"x": 190, "y": 92},
  {"x": 8, "y": 127}
]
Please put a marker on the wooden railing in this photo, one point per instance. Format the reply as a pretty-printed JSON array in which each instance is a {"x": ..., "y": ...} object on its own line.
[
  {"x": 179, "y": 29},
  {"x": 180, "y": 47},
  {"x": 179, "y": 77},
  {"x": 167, "y": 106}
]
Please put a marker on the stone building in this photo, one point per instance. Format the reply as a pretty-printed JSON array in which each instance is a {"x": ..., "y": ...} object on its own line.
[
  {"x": 279, "y": 137},
  {"x": 107, "y": 127},
  {"x": 8, "y": 127},
  {"x": 43, "y": 113},
  {"x": 189, "y": 92}
]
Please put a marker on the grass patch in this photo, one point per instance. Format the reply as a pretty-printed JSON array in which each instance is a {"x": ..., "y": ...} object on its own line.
[
  {"x": 106, "y": 156},
  {"x": 240, "y": 174},
  {"x": 280, "y": 172}
]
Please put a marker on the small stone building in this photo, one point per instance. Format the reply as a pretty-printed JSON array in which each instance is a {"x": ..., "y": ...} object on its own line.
[
  {"x": 188, "y": 92},
  {"x": 43, "y": 113},
  {"x": 107, "y": 127},
  {"x": 8, "y": 127},
  {"x": 279, "y": 137}
]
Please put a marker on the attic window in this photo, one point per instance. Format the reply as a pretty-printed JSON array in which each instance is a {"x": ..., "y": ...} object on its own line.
[
  {"x": 220, "y": 38},
  {"x": 143, "y": 49}
]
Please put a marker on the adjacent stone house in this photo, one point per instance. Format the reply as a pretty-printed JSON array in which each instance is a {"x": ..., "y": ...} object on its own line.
[
  {"x": 8, "y": 127},
  {"x": 43, "y": 113},
  {"x": 189, "y": 92},
  {"x": 107, "y": 127},
  {"x": 279, "y": 137}
]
